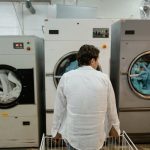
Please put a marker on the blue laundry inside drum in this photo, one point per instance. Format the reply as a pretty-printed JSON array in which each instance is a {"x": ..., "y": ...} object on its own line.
[
  {"x": 140, "y": 76},
  {"x": 72, "y": 66}
]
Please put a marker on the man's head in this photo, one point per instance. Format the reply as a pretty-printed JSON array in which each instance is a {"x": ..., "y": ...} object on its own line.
[{"x": 88, "y": 56}]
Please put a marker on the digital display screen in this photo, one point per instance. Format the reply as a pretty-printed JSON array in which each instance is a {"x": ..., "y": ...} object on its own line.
[
  {"x": 53, "y": 31},
  {"x": 100, "y": 32},
  {"x": 18, "y": 45},
  {"x": 129, "y": 32}
]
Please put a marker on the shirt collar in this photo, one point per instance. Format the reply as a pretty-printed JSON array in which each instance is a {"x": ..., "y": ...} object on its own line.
[{"x": 86, "y": 68}]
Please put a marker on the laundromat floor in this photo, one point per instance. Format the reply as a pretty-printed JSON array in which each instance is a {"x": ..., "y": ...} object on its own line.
[
  {"x": 143, "y": 147},
  {"x": 140, "y": 147}
]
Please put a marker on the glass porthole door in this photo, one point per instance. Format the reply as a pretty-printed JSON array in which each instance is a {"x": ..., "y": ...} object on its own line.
[
  {"x": 66, "y": 63},
  {"x": 139, "y": 75},
  {"x": 10, "y": 86}
]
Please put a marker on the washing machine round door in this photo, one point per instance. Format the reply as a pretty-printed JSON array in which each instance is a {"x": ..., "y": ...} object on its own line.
[
  {"x": 66, "y": 63},
  {"x": 139, "y": 75},
  {"x": 10, "y": 86}
]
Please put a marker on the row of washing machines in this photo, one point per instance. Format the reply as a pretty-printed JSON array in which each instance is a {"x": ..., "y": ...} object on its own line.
[
  {"x": 124, "y": 56},
  {"x": 30, "y": 69}
]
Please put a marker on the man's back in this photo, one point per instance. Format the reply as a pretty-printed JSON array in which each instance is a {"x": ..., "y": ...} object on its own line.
[
  {"x": 86, "y": 91},
  {"x": 84, "y": 102},
  {"x": 86, "y": 88}
]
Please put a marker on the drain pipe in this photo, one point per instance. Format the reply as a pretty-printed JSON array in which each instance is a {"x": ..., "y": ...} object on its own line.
[{"x": 30, "y": 7}]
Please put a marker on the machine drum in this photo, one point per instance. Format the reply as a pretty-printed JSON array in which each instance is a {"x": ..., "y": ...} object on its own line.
[
  {"x": 139, "y": 75},
  {"x": 10, "y": 87}
]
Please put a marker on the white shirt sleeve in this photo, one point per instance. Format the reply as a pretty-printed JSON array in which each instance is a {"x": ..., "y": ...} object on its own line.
[
  {"x": 59, "y": 107},
  {"x": 112, "y": 115}
]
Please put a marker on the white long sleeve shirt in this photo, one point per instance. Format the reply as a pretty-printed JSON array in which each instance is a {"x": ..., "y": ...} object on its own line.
[{"x": 84, "y": 102}]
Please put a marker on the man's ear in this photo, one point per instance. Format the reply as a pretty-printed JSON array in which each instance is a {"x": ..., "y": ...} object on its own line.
[{"x": 92, "y": 61}]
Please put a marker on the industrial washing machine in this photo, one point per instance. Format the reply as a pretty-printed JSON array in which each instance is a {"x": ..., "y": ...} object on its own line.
[
  {"x": 21, "y": 100},
  {"x": 63, "y": 38},
  {"x": 130, "y": 76}
]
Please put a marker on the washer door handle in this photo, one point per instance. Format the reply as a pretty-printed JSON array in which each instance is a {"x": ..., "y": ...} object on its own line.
[
  {"x": 124, "y": 73},
  {"x": 58, "y": 77},
  {"x": 51, "y": 111},
  {"x": 52, "y": 75},
  {"x": 49, "y": 74}
]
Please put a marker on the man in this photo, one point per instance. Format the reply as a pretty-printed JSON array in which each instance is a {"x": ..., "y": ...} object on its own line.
[{"x": 85, "y": 101}]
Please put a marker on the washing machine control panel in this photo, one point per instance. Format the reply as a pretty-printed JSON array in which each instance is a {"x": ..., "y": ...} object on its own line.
[
  {"x": 100, "y": 32},
  {"x": 22, "y": 45}
]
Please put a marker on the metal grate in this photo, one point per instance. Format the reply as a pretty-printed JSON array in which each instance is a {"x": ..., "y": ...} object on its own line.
[{"x": 123, "y": 142}]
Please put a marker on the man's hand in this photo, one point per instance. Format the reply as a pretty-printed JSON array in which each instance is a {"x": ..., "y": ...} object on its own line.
[
  {"x": 113, "y": 132},
  {"x": 57, "y": 138}
]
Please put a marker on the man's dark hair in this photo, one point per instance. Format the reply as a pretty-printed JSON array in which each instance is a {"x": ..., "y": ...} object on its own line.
[{"x": 86, "y": 53}]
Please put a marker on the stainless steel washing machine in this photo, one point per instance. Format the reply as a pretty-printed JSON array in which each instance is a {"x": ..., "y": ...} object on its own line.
[
  {"x": 21, "y": 100},
  {"x": 130, "y": 76}
]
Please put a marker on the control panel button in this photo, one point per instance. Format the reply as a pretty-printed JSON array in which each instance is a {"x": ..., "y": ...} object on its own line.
[{"x": 28, "y": 48}]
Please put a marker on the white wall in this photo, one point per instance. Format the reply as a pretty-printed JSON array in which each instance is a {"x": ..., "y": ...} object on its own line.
[
  {"x": 109, "y": 8},
  {"x": 119, "y": 8},
  {"x": 33, "y": 23},
  {"x": 16, "y": 19},
  {"x": 8, "y": 20}
]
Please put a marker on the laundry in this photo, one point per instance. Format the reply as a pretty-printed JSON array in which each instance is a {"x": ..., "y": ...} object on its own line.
[
  {"x": 140, "y": 77},
  {"x": 72, "y": 66},
  {"x": 10, "y": 87}
]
